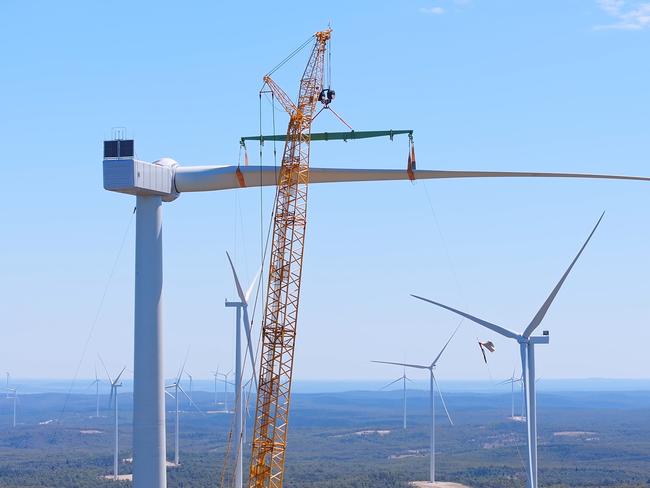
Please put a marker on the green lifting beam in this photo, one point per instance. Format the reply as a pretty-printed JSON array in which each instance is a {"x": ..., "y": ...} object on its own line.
[{"x": 333, "y": 136}]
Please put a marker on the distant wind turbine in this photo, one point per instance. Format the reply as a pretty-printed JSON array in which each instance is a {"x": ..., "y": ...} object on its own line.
[
  {"x": 176, "y": 385},
  {"x": 225, "y": 389},
  {"x": 96, "y": 385},
  {"x": 432, "y": 380},
  {"x": 12, "y": 395},
  {"x": 403, "y": 379},
  {"x": 115, "y": 384},
  {"x": 527, "y": 350},
  {"x": 512, "y": 381}
]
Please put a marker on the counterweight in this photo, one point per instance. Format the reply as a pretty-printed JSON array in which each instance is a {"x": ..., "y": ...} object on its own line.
[{"x": 283, "y": 290}]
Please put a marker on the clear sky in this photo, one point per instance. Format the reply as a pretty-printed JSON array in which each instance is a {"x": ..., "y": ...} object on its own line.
[{"x": 502, "y": 85}]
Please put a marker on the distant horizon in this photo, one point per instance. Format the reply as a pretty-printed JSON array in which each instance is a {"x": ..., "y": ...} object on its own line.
[{"x": 82, "y": 385}]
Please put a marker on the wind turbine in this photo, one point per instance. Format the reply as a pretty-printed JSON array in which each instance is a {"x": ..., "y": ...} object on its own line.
[
  {"x": 403, "y": 379},
  {"x": 96, "y": 385},
  {"x": 176, "y": 385},
  {"x": 527, "y": 344},
  {"x": 225, "y": 389},
  {"x": 115, "y": 384},
  {"x": 164, "y": 180},
  {"x": 242, "y": 309},
  {"x": 432, "y": 380},
  {"x": 512, "y": 381}
]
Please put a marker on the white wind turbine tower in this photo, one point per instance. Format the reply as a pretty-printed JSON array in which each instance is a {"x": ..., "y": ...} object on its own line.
[
  {"x": 242, "y": 313},
  {"x": 176, "y": 385},
  {"x": 432, "y": 380},
  {"x": 153, "y": 183},
  {"x": 527, "y": 351},
  {"x": 403, "y": 379},
  {"x": 115, "y": 384},
  {"x": 12, "y": 394}
]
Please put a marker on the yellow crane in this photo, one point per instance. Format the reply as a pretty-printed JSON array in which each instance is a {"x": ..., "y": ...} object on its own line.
[{"x": 285, "y": 269}]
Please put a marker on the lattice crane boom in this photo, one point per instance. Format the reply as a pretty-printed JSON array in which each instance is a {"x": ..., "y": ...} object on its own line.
[{"x": 283, "y": 290}]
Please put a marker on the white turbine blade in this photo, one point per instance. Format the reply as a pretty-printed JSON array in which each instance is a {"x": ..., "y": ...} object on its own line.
[
  {"x": 249, "y": 343},
  {"x": 240, "y": 291},
  {"x": 119, "y": 375},
  {"x": 249, "y": 292},
  {"x": 182, "y": 370},
  {"x": 542, "y": 311},
  {"x": 435, "y": 361},
  {"x": 496, "y": 328},
  {"x": 110, "y": 398},
  {"x": 418, "y": 366},
  {"x": 442, "y": 399},
  {"x": 167, "y": 393},
  {"x": 190, "y": 400},
  {"x": 391, "y": 383},
  {"x": 105, "y": 369},
  {"x": 225, "y": 177}
]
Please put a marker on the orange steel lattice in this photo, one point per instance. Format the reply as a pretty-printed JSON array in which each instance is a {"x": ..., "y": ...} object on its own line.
[{"x": 283, "y": 290}]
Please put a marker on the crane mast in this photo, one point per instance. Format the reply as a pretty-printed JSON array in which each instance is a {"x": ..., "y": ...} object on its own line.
[{"x": 285, "y": 269}]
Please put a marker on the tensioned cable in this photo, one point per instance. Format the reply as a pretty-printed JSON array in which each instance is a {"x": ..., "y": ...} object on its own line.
[
  {"x": 99, "y": 310},
  {"x": 445, "y": 247},
  {"x": 286, "y": 60}
]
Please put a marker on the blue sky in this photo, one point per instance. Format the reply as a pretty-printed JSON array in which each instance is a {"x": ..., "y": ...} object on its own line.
[{"x": 503, "y": 85}]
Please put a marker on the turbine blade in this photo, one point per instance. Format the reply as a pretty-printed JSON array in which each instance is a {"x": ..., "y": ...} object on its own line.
[
  {"x": 190, "y": 400},
  {"x": 182, "y": 370},
  {"x": 240, "y": 291},
  {"x": 211, "y": 178},
  {"x": 496, "y": 328},
  {"x": 418, "y": 366},
  {"x": 391, "y": 383},
  {"x": 537, "y": 319},
  {"x": 442, "y": 399},
  {"x": 119, "y": 375},
  {"x": 252, "y": 286},
  {"x": 167, "y": 393},
  {"x": 435, "y": 361},
  {"x": 105, "y": 369},
  {"x": 249, "y": 342}
]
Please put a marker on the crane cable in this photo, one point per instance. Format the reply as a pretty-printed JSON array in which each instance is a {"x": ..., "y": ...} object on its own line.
[
  {"x": 100, "y": 307},
  {"x": 288, "y": 58}
]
